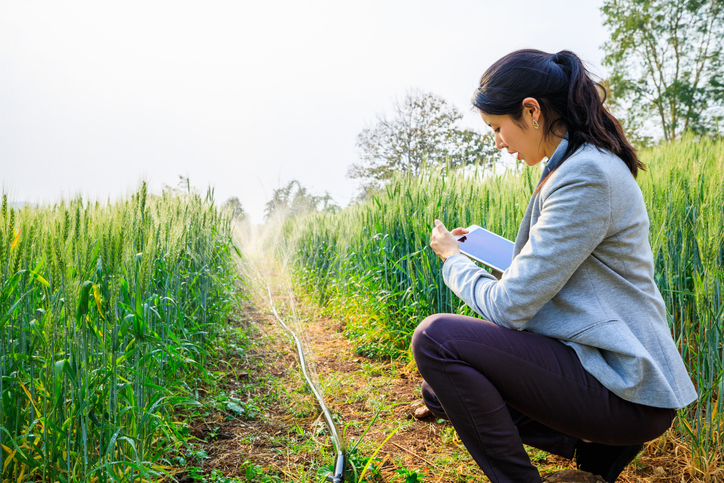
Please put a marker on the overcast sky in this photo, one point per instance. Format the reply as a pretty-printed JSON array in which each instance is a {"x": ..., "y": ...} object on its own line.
[{"x": 240, "y": 95}]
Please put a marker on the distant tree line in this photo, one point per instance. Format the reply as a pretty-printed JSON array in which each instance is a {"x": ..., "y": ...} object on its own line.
[
  {"x": 294, "y": 199},
  {"x": 232, "y": 206}
]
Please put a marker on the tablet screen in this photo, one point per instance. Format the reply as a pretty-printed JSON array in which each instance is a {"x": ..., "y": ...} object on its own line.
[{"x": 487, "y": 248}]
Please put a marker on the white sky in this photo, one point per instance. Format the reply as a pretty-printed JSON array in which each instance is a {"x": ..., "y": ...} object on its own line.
[{"x": 240, "y": 95}]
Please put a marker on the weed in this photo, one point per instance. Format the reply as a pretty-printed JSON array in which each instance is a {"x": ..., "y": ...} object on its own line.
[
  {"x": 449, "y": 435},
  {"x": 256, "y": 474},
  {"x": 408, "y": 476}
]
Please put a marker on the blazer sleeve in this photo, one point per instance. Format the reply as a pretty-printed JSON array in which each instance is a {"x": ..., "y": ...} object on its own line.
[{"x": 575, "y": 217}]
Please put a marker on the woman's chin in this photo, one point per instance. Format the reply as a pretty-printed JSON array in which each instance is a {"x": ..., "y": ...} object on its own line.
[{"x": 531, "y": 162}]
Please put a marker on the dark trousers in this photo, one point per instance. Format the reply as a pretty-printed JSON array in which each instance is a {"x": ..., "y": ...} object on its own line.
[{"x": 501, "y": 388}]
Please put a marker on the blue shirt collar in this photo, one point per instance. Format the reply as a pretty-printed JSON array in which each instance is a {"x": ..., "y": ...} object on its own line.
[{"x": 556, "y": 159}]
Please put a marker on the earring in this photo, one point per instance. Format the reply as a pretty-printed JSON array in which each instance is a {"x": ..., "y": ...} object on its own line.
[{"x": 535, "y": 124}]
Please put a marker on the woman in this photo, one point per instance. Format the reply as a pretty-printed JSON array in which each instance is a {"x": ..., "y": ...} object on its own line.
[{"x": 574, "y": 356}]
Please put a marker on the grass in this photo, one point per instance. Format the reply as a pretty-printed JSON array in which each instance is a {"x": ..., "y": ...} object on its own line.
[
  {"x": 685, "y": 193},
  {"x": 370, "y": 264},
  {"x": 107, "y": 312}
]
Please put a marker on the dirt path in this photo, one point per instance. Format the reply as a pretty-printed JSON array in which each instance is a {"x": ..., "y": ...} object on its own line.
[{"x": 278, "y": 434}]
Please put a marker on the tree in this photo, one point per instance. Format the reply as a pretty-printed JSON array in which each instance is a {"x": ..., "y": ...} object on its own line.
[
  {"x": 294, "y": 199},
  {"x": 233, "y": 207},
  {"x": 421, "y": 132},
  {"x": 666, "y": 62}
]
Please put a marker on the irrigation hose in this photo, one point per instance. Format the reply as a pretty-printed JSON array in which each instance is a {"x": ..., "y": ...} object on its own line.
[{"x": 339, "y": 464}]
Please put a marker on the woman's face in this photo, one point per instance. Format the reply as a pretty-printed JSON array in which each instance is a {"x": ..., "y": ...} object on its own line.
[{"x": 509, "y": 135}]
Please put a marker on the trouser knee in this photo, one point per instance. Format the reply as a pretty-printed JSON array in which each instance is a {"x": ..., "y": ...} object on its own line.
[{"x": 424, "y": 338}]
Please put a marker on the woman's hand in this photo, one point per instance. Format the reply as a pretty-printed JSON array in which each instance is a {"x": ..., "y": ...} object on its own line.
[{"x": 443, "y": 243}]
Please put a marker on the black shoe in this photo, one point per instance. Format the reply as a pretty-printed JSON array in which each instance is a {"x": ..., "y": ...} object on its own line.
[{"x": 604, "y": 460}]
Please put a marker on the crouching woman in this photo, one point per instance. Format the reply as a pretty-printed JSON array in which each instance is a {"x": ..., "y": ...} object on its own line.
[{"x": 574, "y": 355}]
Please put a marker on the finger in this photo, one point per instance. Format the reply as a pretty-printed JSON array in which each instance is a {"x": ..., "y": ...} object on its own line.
[{"x": 440, "y": 226}]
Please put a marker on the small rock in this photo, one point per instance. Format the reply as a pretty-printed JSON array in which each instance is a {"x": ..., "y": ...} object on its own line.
[
  {"x": 659, "y": 471},
  {"x": 423, "y": 412}
]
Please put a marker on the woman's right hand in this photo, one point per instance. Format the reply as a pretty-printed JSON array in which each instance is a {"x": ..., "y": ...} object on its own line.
[{"x": 443, "y": 242}]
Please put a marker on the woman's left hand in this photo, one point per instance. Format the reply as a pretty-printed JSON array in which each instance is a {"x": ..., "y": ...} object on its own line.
[{"x": 443, "y": 243}]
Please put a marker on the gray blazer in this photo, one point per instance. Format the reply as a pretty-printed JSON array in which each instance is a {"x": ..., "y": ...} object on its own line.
[{"x": 582, "y": 273}]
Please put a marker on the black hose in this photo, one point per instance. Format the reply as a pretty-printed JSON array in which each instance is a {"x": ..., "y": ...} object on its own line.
[
  {"x": 338, "y": 469},
  {"x": 336, "y": 439}
]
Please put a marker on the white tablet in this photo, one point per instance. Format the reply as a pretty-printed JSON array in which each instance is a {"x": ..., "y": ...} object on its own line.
[{"x": 487, "y": 248}]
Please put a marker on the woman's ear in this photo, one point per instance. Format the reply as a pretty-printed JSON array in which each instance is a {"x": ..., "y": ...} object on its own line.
[{"x": 531, "y": 107}]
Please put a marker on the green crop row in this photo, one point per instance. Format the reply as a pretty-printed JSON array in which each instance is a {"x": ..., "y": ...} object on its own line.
[
  {"x": 371, "y": 262},
  {"x": 106, "y": 316}
]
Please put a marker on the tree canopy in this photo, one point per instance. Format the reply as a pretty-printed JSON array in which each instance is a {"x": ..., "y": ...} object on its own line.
[
  {"x": 666, "y": 62},
  {"x": 422, "y": 131}
]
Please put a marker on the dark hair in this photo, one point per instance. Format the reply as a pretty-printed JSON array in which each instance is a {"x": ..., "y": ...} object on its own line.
[{"x": 567, "y": 95}]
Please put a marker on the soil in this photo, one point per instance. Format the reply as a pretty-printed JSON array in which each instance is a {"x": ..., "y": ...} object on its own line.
[{"x": 286, "y": 437}]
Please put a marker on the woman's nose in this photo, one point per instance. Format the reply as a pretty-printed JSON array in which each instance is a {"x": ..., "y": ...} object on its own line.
[{"x": 499, "y": 142}]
